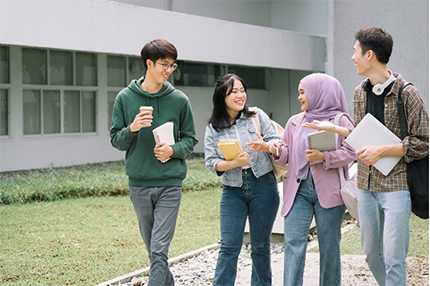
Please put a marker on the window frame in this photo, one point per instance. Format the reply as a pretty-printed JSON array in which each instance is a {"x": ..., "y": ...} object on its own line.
[
  {"x": 41, "y": 88},
  {"x": 117, "y": 89},
  {"x": 6, "y": 88}
]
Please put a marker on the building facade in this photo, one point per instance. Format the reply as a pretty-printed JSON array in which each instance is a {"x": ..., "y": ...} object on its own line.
[{"x": 63, "y": 62}]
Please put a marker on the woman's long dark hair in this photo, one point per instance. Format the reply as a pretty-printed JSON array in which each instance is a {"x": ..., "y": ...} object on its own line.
[{"x": 223, "y": 87}]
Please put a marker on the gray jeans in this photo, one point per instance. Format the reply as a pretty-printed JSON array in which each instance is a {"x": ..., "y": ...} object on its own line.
[{"x": 157, "y": 210}]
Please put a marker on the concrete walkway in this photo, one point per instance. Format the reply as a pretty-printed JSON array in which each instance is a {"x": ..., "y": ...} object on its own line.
[
  {"x": 354, "y": 271},
  {"x": 354, "y": 268}
]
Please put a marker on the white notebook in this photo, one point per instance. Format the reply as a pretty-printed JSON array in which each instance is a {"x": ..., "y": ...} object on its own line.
[
  {"x": 370, "y": 131},
  {"x": 164, "y": 133}
]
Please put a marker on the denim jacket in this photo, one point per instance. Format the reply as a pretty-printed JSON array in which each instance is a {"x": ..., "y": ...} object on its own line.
[{"x": 258, "y": 161}]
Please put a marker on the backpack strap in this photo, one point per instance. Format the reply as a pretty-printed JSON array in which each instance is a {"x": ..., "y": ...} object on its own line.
[
  {"x": 401, "y": 110},
  {"x": 255, "y": 120}
]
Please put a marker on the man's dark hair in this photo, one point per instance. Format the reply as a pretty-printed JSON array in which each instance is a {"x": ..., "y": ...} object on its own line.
[
  {"x": 158, "y": 49},
  {"x": 377, "y": 40}
]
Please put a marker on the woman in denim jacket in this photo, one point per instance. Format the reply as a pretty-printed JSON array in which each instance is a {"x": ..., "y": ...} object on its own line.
[
  {"x": 249, "y": 185},
  {"x": 313, "y": 189}
]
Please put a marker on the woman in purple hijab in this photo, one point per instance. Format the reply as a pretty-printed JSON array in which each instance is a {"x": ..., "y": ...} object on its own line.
[{"x": 312, "y": 186}]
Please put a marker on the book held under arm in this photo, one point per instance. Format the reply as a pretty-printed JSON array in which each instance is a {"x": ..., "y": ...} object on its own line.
[
  {"x": 164, "y": 133},
  {"x": 371, "y": 132},
  {"x": 230, "y": 148},
  {"x": 322, "y": 141}
]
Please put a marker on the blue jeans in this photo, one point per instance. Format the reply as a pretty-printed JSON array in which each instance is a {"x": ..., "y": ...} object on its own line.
[
  {"x": 157, "y": 210},
  {"x": 296, "y": 230},
  {"x": 258, "y": 199},
  {"x": 384, "y": 224}
]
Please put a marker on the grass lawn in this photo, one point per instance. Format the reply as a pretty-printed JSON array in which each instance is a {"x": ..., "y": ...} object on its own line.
[
  {"x": 86, "y": 241},
  {"x": 77, "y": 226}
]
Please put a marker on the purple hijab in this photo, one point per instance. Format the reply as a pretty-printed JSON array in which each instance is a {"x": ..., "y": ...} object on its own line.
[{"x": 325, "y": 98}]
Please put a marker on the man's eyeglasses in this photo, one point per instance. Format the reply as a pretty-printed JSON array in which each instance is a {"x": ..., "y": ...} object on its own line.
[{"x": 167, "y": 66}]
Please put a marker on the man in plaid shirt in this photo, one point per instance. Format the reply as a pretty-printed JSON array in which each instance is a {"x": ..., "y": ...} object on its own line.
[{"x": 384, "y": 204}]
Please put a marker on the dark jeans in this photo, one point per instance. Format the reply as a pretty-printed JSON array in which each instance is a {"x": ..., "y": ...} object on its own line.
[{"x": 257, "y": 199}]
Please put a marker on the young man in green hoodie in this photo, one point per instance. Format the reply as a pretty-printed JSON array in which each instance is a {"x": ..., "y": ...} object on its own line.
[{"x": 155, "y": 170}]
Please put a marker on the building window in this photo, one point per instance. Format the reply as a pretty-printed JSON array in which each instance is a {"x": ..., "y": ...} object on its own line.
[
  {"x": 77, "y": 115},
  {"x": 116, "y": 71},
  {"x": 195, "y": 74},
  {"x": 253, "y": 77},
  {"x": 68, "y": 108},
  {"x": 88, "y": 111},
  {"x": 34, "y": 66},
  {"x": 86, "y": 69},
  {"x": 121, "y": 71},
  {"x": 4, "y": 92},
  {"x": 135, "y": 69},
  {"x": 51, "y": 112},
  {"x": 120, "y": 76},
  {"x": 72, "y": 111},
  {"x": 61, "y": 68},
  {"x": 4, "y": 65},
  {"x": 4, "y": 114},
  {"x": 31, "y": 109},
  {"x": 111, "y": 102}
]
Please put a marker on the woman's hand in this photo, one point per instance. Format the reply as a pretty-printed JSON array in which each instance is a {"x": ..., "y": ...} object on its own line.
[
  {"x": 320, "y": 125},
  {"x": 256, "y": 145},
  {"x": 314, "y": 155},
  {"x": 328, "y": 126},
  {"x": 259, "y": 145},
  {"x": 275, "y": 148},
  {"x": 241, "y": 160}
]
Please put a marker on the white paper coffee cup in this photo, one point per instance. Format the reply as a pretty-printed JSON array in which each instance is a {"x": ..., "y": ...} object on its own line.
[{"x": 143, "y": 108}]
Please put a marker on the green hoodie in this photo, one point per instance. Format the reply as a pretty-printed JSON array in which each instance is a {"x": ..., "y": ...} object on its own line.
[{"x": 142, "y": 167}]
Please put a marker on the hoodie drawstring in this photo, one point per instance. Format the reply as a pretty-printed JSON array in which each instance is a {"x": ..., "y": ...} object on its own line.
[{"x": 158, "y": 106}]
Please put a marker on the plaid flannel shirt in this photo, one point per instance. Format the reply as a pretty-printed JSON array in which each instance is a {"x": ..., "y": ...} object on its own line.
[{"x": 415, "y": 145}]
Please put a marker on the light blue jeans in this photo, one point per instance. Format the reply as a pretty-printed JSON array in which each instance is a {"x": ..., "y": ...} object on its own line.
[
  {"x": 257, "y": 199},
  {"x": 296, "y": 230},
  {"x": 384, "y": 223},
  {"x": 157, "y": 210}
]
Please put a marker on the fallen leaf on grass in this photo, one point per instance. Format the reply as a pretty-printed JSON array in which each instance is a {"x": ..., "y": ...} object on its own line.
[{"x": 12, "y": 276}]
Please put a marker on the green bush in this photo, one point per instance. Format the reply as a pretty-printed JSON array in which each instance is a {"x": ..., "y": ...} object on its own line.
[{"x": 92, "y": 180}]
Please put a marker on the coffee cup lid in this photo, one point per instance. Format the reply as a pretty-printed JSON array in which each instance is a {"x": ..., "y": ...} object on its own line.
[{"x": 146, "y": 107}]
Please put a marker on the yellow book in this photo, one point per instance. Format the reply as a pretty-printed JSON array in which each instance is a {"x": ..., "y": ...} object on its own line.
[{"x": 229, "y": 148}]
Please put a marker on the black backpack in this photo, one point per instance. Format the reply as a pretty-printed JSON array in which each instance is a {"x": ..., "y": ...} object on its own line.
[{"x": 417, "y": 170}]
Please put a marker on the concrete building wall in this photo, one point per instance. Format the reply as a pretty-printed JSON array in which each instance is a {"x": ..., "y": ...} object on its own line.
[
  {"x": 284, "y": 102},
  {"x": 113, "y": 28},
  {"x": 274, "y": 35},
  {"x": 408, "y": 24},
  {"x": 308, "y": 17},
  {"x": 255, "y": 12}
]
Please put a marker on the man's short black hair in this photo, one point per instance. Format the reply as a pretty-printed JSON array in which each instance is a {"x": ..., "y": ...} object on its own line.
[
  {"x": 377, "y": 40},
  {"x": 158, "y": 49}
]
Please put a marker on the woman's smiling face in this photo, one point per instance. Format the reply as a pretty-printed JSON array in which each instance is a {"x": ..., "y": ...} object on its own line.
[
  {"x": 302, "y": 98},
  {"x": 235, "y": 101}
]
